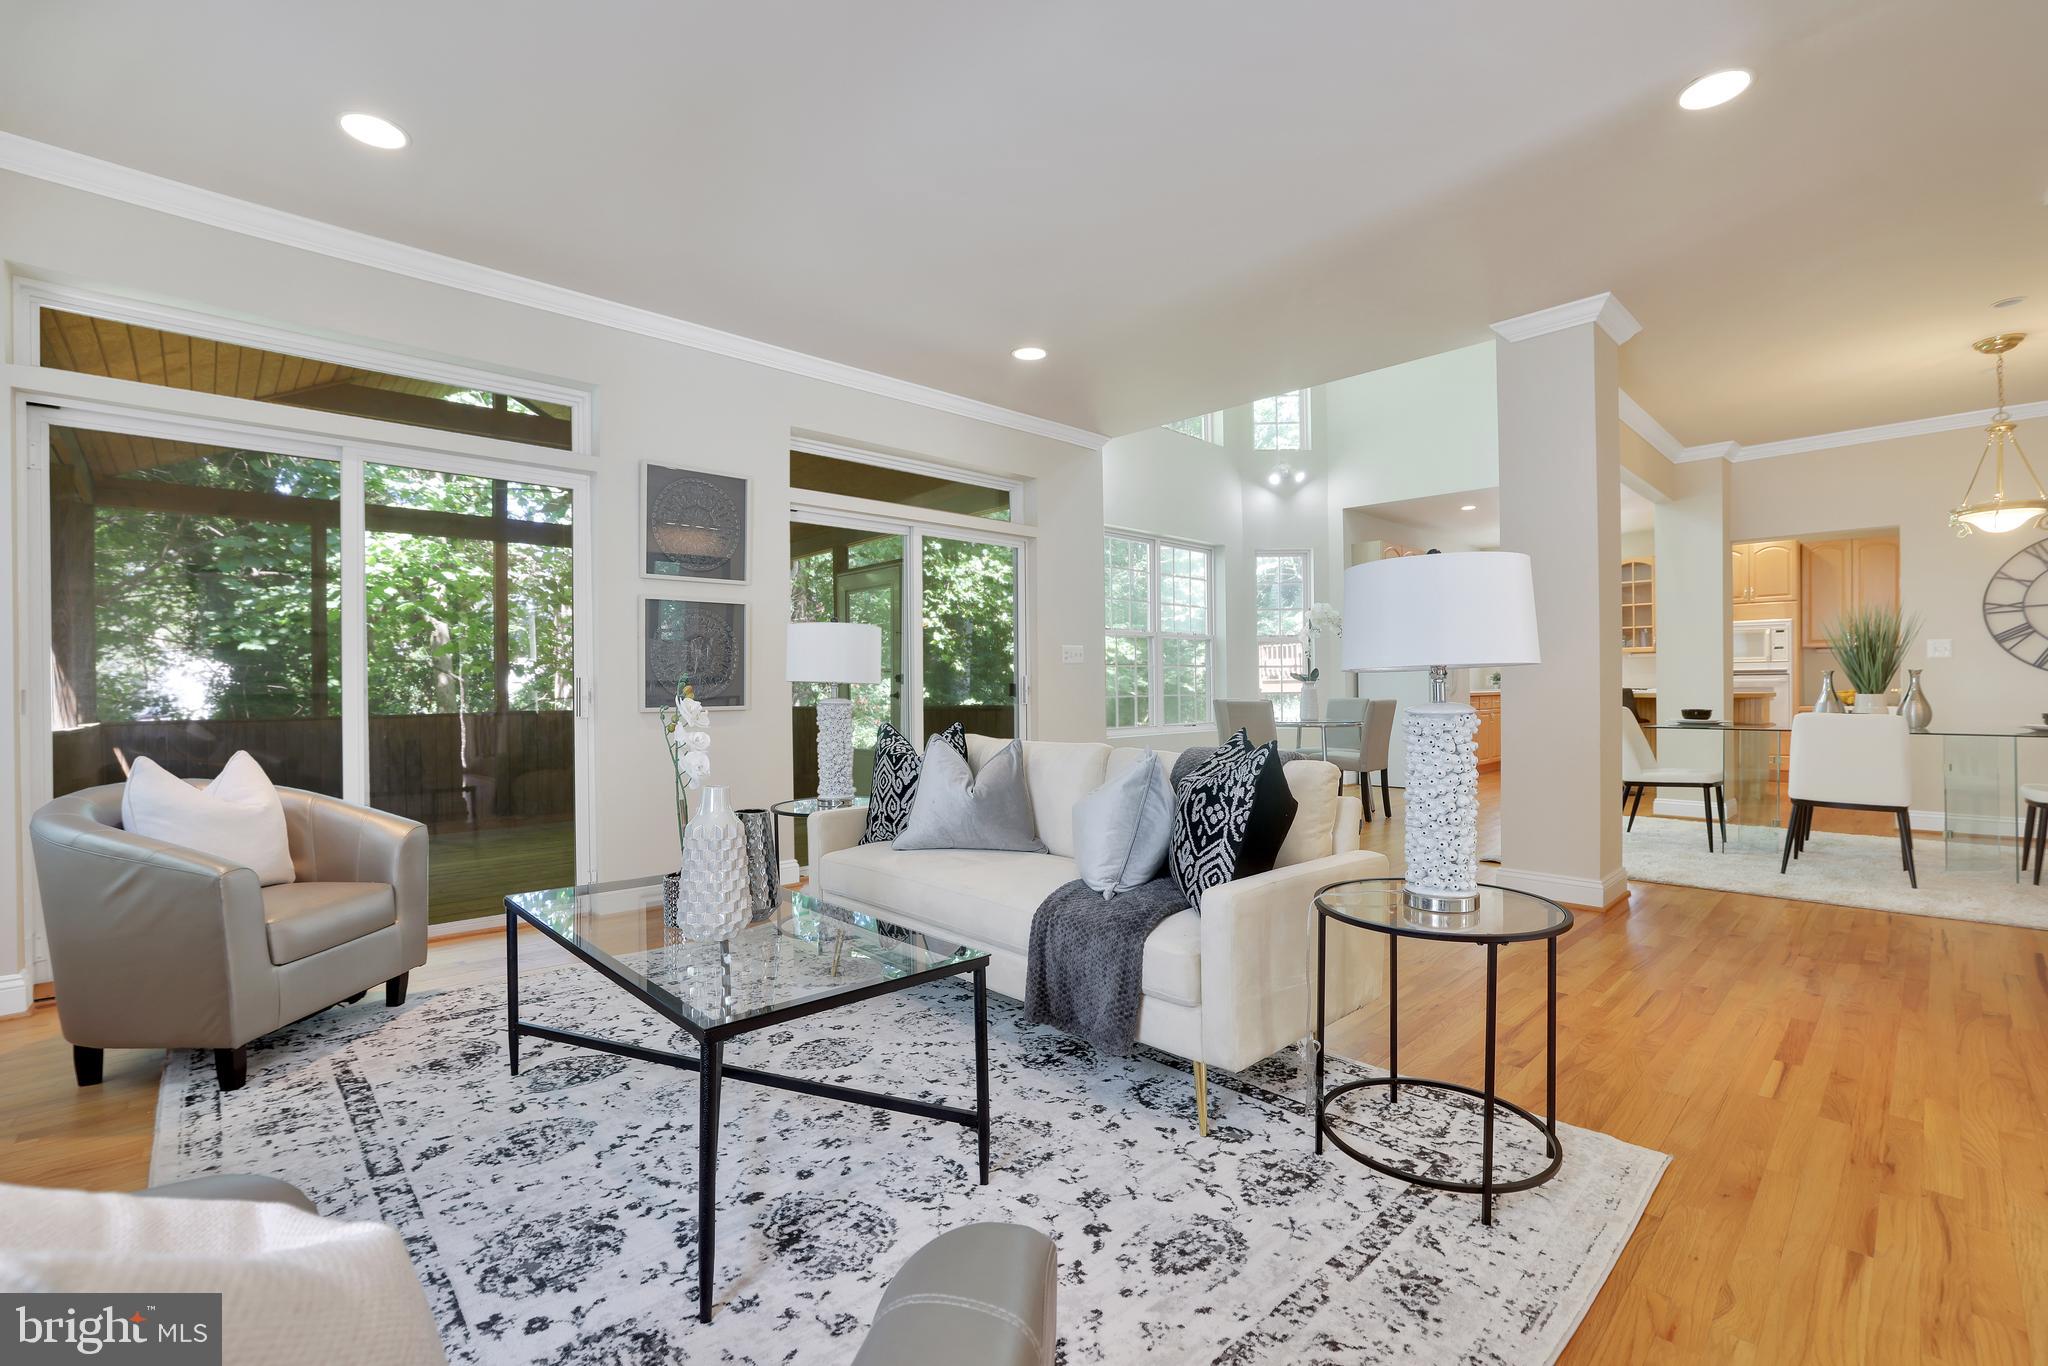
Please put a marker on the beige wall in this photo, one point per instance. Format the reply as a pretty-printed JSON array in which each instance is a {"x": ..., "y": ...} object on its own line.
[
  {"x": 655, "y": 401},
  {"x": 1911, "y": 483}
]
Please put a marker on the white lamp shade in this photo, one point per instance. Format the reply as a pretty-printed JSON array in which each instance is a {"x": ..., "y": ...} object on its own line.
[
  {"x": 1467, "y": 610},
  {"x": 834, "y": 652}
]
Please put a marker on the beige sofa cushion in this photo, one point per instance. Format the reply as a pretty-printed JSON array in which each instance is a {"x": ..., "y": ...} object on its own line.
[
  {"x": 1059, "y": 774},
  {"x": 987, "y": 898},
  {"x": 1315, "y": 786}
]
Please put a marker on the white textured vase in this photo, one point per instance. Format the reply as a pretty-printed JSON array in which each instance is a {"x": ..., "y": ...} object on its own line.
[
  {"x": 1311, "y": 702},
  {"x": 835, "y": 750},
  {"x": 712, "y": 896},
  {"x": 1442, "y": 808}
]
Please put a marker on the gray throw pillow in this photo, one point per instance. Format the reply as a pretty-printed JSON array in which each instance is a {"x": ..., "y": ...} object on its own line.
[
  {"x": 956, "y": 808},
  {"x": 1122, "y": 828}
]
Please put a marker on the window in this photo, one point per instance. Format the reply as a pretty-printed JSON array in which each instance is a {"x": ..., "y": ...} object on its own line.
[
  {"x": 91, "y": 345},
  {"x": 1277, "y": 423},
  {"x": 1281, "y": 589},
  {"x": 1202, "y": 428},
  {"x": 1158, "y": 606},
  {"x": 894, "y": 483}
]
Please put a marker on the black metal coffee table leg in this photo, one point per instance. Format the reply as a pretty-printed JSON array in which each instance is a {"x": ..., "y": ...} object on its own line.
[
  {"x": 1322, "y": 977},
  {"x": 1393, "y": 1020},
  {"x": 981, "y": 1065},
  {"x": 512, "y": 987},
  {"x": 710, "y": 1075}
]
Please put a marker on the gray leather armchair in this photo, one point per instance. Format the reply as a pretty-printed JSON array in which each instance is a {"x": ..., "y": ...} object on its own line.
[
  {"x": 155, "y": 946},
  {"x": 985, "y": 1293}
]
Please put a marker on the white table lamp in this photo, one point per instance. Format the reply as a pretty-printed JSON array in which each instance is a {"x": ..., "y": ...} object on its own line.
[
  {"x": 1441, "y": 612},
  {"x": 835, "y": 652}
]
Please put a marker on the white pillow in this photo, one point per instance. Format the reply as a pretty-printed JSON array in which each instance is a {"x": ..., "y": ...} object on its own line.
[
  {"x": 237, "y": 818},
  {"x": 1122, "y": 828}
]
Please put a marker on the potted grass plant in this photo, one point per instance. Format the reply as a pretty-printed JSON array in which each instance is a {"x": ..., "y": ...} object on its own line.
[{"x": 1869, "y": 645}]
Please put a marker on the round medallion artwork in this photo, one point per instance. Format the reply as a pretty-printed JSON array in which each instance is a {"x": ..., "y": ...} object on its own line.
[
  {"x": 2016, "y": 606},
  {"x": 696, "y": 523},
  {"x": 701, "y": 648}
]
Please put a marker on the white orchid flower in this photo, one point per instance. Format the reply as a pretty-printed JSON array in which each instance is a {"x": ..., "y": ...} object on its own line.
[
  {"x": 697, "y": 764},
  {"x": 697, "y": 739},
  {"x": 692, "y": 712}
]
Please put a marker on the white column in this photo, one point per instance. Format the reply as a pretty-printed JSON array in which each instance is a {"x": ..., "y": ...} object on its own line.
[
  {"x": 1560, "y": 489},
  {"x": 1694, "y": 607}
]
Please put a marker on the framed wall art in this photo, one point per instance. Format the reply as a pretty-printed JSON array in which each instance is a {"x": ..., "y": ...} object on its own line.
[
  {"x": 705, "y": 642},
  {"x": 693, "y": 525}
]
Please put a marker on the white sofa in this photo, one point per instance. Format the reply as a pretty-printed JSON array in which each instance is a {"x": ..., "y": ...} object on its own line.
[{"x": 1229, "y": 985}]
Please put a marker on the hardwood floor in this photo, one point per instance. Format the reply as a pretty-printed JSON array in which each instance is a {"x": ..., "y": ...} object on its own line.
[{"x": 1854, "y": 1102}]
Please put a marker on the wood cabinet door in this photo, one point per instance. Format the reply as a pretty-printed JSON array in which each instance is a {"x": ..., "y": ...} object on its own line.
[
  {"x": 1487, "y": 742},
  {"x": 1874, "y": 572},
  {"x": 1828, "y": 589},
  {"x": 1774, "y": 571},
  {"x": 1738, "y": 572}
]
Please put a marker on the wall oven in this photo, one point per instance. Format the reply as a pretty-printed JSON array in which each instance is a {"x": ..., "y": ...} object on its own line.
[{"x": 1762, "y": 646}]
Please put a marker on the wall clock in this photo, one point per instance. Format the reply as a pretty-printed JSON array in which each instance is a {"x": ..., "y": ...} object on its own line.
[{"x": 2016, "y": 605}]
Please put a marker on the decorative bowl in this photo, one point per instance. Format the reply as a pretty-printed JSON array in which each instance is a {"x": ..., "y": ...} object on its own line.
[{"x": 1696, "y": 713}]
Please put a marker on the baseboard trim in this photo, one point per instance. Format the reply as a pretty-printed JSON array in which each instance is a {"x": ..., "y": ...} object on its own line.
[
  {"x": 17, "y": 994},
  {"x": 792, "y": 871},
  {"x": 1579, "y": 893}
]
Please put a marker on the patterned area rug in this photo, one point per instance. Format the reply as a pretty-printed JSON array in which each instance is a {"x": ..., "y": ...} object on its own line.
[{"x": 552, "y": 1215}]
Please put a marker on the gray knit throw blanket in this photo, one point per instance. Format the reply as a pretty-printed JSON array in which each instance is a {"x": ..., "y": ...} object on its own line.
[{"x": 1087, "y": 959}]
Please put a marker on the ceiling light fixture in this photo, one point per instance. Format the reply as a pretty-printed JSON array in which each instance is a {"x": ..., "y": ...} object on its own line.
[
  {"x": 2000, "y": 513},
  {"x": 1286, "y": 474},
  {"x": 1468, "y": 507},
  {"x": 1709, "y": 91},
  {"x": 374, "y": 132},
  {"x": 1029, "y": 353},
  {"x": 2010, "y": 301}
]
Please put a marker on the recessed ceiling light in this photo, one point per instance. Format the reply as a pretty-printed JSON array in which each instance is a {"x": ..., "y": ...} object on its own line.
[
  {"x": 1029, "y": 353},
  {"x": 1468, "y": 507},
  {"x": 1708, "y": 91},
  {"x": 2009, "y": 302},
  {"x": 375, "y": 132},
  {"x": 1274, "y": 479},
  {"x": 1301, "y": 476}
]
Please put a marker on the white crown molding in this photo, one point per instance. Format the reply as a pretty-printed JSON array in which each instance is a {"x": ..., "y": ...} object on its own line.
[
  {"x": 1858, "y": 436},
  {"x": 61, "y": 166},
  {"x": 1604, "y": 309},
  {"x": 1649, "y": 429}
]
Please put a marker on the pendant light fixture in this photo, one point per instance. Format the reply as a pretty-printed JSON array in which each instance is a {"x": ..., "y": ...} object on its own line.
[{"x": 2000, "y": 513}]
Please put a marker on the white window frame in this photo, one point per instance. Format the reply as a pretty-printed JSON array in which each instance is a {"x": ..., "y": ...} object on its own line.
[
  {"x": 1308, "y": 597},
  {"x": 1207, "y": 432},
  {"x": 1300, "y": 424},
  {"x": 32, "y": 296},
  {"x": 1156, "y": 634}
]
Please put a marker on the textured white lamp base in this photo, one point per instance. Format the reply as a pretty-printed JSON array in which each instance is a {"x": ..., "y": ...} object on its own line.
[
  {"x": 835, "y": 750},
  {"x": 1443, "y": 805}
]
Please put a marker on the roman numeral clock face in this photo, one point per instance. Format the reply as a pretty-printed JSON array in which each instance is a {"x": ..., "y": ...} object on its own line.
[{"x": 2016, "y": 605}]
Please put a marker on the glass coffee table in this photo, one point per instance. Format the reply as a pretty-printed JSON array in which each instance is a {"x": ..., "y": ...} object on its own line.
[{"x": 804, "y": 957}]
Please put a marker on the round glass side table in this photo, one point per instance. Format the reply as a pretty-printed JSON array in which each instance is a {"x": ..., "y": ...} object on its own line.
[
  {"x": 1502, "y": 916},
  {"x": 799, "y": 808}
]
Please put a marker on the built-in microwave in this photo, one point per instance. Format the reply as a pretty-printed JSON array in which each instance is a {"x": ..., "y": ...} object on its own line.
[{"x": 1762, "y": 646}]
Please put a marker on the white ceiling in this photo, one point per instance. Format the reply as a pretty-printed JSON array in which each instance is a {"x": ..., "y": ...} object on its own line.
[
  {"x": 1189, "y": 204},
  {"x": 1440, "y": 519}
]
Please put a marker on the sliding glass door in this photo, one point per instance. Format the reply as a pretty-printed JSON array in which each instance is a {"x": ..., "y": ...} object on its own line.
[
  {"x": 969, "y": 650},
  {"x": 203, "y": 594},
  {"x": 840, "y": 573}
]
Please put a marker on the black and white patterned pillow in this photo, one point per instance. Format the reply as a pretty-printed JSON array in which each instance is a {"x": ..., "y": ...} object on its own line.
[
  {"x": 894, "y": 790},
  {"x": 1230, "y": 817}
]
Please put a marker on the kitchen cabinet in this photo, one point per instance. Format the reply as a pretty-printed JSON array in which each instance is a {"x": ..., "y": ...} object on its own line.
[
  {"x": 1487, "y": 704},
  {"x": 1638, "y": 606},
  {"x": 1765, "y": 571},
  {"x": 1842, "y": 576}
]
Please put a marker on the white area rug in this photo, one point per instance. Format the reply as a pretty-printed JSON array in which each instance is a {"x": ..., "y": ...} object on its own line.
[
  {"x": 551, "y": 1215},
  {"x": 1847, "y": 870}
]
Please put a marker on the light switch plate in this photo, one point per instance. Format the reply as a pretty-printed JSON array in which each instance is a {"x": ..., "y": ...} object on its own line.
[
  {"x": 1072, "y": 654},
  {"x": 1939, "y": 649}
]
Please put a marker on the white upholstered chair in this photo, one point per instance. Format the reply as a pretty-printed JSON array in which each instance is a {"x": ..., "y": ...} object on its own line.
[
  {"x": 1849, "y": 762},
  {"x": 1254, "y": 718},
  {"x": 1640, "y": 770}
]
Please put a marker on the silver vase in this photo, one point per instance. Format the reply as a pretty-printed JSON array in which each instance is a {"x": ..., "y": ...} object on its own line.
[
  {"x": 1914, "y": 706},
  {"x": 764, "y": 859},
  {"x": 712, "y": 897},
  {"x": 1829, "y": 699}
]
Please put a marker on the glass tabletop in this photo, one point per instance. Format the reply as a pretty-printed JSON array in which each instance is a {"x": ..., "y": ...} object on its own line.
[
  {"x": 804, "y": 952},
  {"x": 1502, "y": 915},
  {"x": 1958, "y": 732},
  {"x": 1322, "y": 724},
  {"x": 811, "y": 806}
]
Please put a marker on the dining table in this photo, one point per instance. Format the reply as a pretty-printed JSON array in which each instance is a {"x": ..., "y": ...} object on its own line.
[{"x": 1980, "y": 779}]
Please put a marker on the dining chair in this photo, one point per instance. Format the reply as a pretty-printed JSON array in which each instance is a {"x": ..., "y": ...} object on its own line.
[
  {"x": 1640, "y": 770},
  {"x": 1254, "y": 718},
  {"x": 1848, "y": 761},
  {"x": 1357, "y": 757},
  {"x": 2034, "y": 843}
]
